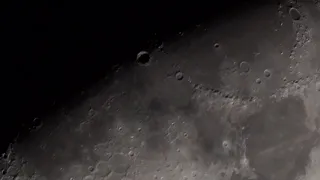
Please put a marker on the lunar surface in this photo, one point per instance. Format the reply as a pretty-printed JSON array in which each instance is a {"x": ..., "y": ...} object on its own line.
[{"x": 235, "y": 101}]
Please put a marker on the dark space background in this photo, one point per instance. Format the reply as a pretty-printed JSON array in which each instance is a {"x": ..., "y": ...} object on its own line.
[{"x": 54, "y": 50}]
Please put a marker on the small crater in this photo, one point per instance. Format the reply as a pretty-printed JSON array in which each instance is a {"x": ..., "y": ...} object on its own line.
[
  {"x": 131, "y": 153},
  {"x": 216, "y": 45},
  {"x": 216, "y": 91},
  {"x": 185, "y": 134},
  {"x": 90, "y": 168},
  {"x": 267, "y": 73},
  {"x": 226, "y": 145},
  {"x": 284, "y": 79},
  {"x": 295, "y": 14},
  {"x": 37, "y": 124},
  {"x": 143, "y": 58},
  {"x": 258, "y": 81},
  {"x": 179, "y": 76},
  {"x": 244, "y": 67}
]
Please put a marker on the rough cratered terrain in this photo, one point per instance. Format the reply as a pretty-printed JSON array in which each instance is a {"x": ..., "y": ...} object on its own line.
[{"x": 231, "y": 102}]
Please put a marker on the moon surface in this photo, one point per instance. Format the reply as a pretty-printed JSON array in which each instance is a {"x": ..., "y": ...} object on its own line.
[{"x": 236, "y": 101}]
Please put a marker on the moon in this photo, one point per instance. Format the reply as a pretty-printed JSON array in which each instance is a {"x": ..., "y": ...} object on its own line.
[{"x": 234, "y": 100}]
